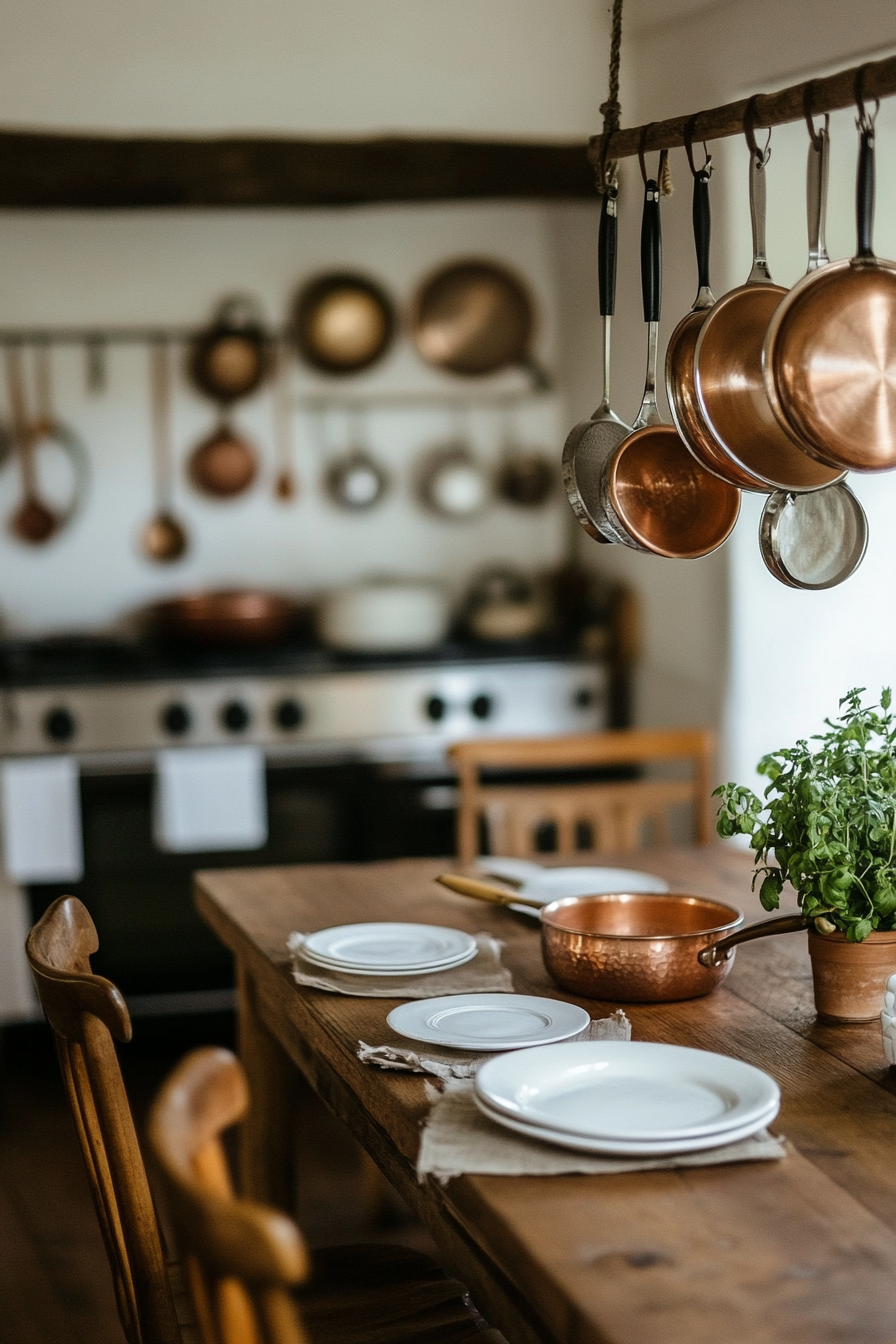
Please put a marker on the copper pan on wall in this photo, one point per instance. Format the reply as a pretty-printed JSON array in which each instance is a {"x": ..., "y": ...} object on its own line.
[
  {"x": 728, "y": 366},
  {"x": 830, "y": 352},
  {"x": 475, "y": 318}
]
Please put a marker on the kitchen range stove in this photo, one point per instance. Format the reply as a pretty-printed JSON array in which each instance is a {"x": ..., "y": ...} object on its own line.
[{"x": 355, "y": 760}]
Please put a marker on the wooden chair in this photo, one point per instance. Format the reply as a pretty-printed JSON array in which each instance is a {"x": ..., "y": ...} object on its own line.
[
  {"x": 245, "y": 1260},
  {"x": 613, "y": 816},
  {"x": 86, "y": 1012}
]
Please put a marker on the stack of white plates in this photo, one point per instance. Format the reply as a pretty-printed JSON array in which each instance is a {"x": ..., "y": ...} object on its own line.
[
  {"x": 551, "y": 884},
  {"x": 388, "y": 949},
  {"x": 627, "y": 1098}
]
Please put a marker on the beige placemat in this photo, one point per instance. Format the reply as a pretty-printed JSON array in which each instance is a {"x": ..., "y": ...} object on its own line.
[
  {"x": 484, "y": 974},
  {"x": 458, "y": 1139},
  {"x": 393, "y": 1054}
]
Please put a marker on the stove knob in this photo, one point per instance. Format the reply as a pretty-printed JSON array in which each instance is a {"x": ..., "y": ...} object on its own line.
[
  {"x": 288, "y": 714},
  {"x": 435, "y": 708},
  {"x": 482, "y": 707},
  {"x": 60, "y": 725},
  {"x": 176, "y": 719},
  {"x": 235, "y": 716}
]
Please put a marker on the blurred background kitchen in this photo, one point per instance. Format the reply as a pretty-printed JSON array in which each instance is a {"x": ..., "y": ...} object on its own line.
[{"x": 402, "y": 467}]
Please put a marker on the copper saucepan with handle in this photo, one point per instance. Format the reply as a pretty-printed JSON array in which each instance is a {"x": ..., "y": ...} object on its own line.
[
  {"x": 728, "y": 365},
  {"x": 634, "y": 947},
  {"x": 830, "y": 353}
]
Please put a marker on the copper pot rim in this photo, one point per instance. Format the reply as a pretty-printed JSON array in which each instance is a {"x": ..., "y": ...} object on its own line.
[
  {"x": 784, "y": 313},
  {"x": 721, "y": 306},
  {"x": 632, "y": 896},
  {"x": 666, "y": 552}
]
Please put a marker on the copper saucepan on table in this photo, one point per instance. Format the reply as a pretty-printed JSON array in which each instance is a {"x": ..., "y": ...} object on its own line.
[{"x": 627, "y": 947}]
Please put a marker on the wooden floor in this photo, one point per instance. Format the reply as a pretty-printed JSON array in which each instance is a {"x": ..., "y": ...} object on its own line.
[{"x": 55, "y": 1286}]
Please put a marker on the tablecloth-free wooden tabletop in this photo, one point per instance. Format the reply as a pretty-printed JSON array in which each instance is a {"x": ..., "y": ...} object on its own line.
[{"x": 802, "y": 1250}]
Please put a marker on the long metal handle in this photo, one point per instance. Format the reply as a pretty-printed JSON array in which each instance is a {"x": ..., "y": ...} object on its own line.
[
  {"x": 760, "y": 274},
  {"x": 484, "y": 891},
  {"x": 865, "y": 193},
  {"x": 817, "y": 172},
  {"x": 718, "y": 952}
]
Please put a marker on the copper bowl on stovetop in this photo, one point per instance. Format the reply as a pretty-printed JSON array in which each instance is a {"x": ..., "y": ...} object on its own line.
[{"x": 635, "y": 947}]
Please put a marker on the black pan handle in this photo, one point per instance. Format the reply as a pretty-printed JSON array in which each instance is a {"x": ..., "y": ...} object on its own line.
[
  {"x": 718, "y": 952},
  {"x": 700, "y": 215},
  {"x": 651, "y": 253},
  {"x": 606, "y": 253},
  {"x": 865, "y": 192}
]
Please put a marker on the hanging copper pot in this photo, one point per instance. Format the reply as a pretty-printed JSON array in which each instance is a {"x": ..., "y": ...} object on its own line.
[
  {"x": 342, "y": 323},
  {"x": 232, "y": 357}
]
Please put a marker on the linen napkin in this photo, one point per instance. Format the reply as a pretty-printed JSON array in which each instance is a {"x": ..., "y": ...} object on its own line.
[
  {"x": 458, "y": 1139},
  {"x": 483, "y": 974},
  {"x": 464, "y": 1064}
]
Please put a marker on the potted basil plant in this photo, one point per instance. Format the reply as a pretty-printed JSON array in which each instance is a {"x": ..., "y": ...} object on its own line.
[{"x": 827, "y": 825}]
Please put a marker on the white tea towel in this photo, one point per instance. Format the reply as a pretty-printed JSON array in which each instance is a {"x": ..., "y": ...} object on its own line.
[
  {"x": 464, "y": 1064},
  {"x": 458, "y": 1139},
  {"x": 41, "y": 808},
  {"x": 210, "y": 798},
  {"x": 484, "y": 974}
]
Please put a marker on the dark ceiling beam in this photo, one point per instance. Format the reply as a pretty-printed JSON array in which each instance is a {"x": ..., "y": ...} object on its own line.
[{"x": 43, "y": 171}]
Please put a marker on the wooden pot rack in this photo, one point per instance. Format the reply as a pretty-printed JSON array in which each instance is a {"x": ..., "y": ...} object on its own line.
[{"x": 771, "y": 109}]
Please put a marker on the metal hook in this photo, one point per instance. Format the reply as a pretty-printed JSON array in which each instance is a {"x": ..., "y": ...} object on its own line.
[
  {"x": 817, "y": 137},
  {"x": 761, "y": 156},
  {"x": 864, "y": 122},
  {"x": 664, "y": 153},
  {"x": 606, "y": 185},
  {"x": 689, "y": 148}
]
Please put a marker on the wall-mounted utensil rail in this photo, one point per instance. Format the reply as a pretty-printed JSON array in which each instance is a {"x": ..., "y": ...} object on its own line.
[{"x": 829, "y": 94}]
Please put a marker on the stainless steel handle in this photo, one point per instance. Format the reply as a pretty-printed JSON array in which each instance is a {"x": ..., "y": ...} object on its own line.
[
  {"x": 817, "y": 172},
  {"x": 718, "y": 952},
  {"x": 760, "y": 274}
]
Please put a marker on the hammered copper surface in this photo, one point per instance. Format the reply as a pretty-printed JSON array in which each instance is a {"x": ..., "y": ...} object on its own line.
[
  {"x": 732, "y": 397},
  {"x": 685, "y": 407},
  {"x": 664, "y": 498},
  {"x": 831, "y": 365},
  {"x": 635, "y": 948},
  {"x": 473, "y": 317}
]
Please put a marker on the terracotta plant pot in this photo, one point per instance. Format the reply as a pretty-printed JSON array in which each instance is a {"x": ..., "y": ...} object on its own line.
[{"x": 850, "y": 978}]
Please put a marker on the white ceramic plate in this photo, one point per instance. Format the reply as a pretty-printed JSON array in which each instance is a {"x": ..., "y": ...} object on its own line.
[
  {"x": 633, "y": 1091},
  {"x": 388, "y": 947},
  {"x": 551, "y": 884},
  {"x": 620, "y": 1147},
  {"x": 318, "y": 964},
  {"x": 488, "y": 1021}
]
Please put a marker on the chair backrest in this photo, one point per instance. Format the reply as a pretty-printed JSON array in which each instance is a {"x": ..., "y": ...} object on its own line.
[
  {"x": 85, "y": 1012},
  {"x": 612, "y": 815},
  {"x": 242, "y": 1257}
]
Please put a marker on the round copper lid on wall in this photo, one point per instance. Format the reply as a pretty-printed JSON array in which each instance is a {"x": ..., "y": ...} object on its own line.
[{"x": 342, "y": 323}]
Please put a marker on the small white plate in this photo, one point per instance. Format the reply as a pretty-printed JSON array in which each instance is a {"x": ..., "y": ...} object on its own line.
[
  {"x": 320, "y": 964},
  {"x": 488, "y": 1021},
  {"x": 628, "y": 1090},
  {"x": 388, "y": 947},
  {"x": 623, "y": 1148},
  {"x": 551, "y": 884}
]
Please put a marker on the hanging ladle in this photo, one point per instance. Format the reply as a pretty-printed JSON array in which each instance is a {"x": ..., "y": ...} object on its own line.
[
  {"x": 164, "y": 538},
  {"x": 285, "y": 483},
  {"x": 33, "y": 521}
]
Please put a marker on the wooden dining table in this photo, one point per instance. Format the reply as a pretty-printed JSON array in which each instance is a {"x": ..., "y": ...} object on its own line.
[{"x": 801, "y": 1250}]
